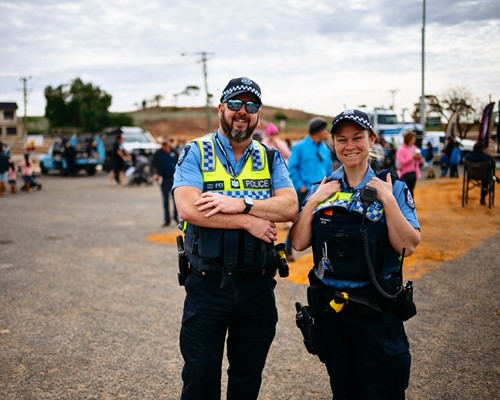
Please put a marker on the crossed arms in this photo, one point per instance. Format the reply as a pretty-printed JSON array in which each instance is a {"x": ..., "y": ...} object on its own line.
[{"x": 213, "y": 210}]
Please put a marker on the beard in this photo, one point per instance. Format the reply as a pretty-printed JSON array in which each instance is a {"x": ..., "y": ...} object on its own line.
[{"x": 236, "y": 135}]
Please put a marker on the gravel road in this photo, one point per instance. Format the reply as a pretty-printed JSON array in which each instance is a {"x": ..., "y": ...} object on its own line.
[{"x": 90, "y": 309}]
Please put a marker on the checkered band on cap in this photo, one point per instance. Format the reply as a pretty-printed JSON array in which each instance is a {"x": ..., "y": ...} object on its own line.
[
  {"x": 240, "y": 85},
  {"x": 352, "y": 115}
]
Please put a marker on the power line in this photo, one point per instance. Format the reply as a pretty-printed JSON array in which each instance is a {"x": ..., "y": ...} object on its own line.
[{"x": 204, "y": 58}]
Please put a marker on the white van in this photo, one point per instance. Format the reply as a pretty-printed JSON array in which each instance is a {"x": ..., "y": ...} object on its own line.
[
  {"x": 396, "y": 135},
  {"x": 136, "y": 141},
  {"x": 437, "y": 140},
  {"x": 384, "y": 119}
]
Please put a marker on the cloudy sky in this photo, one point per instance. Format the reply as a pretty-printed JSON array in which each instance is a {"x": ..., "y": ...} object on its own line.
[{"x": 314, "y": 55}]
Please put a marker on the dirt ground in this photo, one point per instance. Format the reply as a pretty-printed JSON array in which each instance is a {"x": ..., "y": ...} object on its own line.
[
  {"x": 91, "y": 310},
  {"x": 448, "y": 230}
]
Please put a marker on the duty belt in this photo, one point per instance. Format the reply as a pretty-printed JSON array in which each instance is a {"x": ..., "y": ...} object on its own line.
[{"x": 239, "y": 273}]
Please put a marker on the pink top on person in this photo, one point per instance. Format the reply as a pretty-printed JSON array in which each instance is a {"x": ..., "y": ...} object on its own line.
[
  {"x": 26, "y": 170},
  {"x": 406, "y": 161},
  {"x": 272, "y": 140},
  {"x": 12, "y": 173}
]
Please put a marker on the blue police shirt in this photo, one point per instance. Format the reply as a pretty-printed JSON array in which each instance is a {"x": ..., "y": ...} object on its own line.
[
  {"x": 403, "y": 198},
  {"x": 188, "y": 172},
  {"x": 309, "y": 162}
]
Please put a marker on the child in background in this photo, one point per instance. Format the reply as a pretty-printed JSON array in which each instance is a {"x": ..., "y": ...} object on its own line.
[
  {"x": 273, "y": 140},
  {"x": 12, "y": 176},
  {"x": 27, "y": 173}
]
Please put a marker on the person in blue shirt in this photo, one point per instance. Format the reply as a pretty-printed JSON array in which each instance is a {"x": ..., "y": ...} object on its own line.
[
  {"x": 310, "y": 161},
  {"x": 230, "y": 192},
  {"x": 359, "y": 226},
  {"x": 455, "y": 158}
]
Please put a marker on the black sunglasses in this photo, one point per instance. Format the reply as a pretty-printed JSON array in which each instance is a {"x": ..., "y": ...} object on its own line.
[{"x": 235, "y": 105}]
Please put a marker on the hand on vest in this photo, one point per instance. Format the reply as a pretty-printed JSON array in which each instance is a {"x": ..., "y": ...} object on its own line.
[
  {"x": 384, "y": 188},
  {"x": 216, "y": 202},
  {"x": 324, "y": 191}
]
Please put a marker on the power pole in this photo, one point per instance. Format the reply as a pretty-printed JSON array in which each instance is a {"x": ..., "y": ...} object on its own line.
[
  {"x": 204, "y": 58},
  {"x": 393, "y": 96},
  {"x": 422, "y": 98},
  {"x": 209, "y": 117},
  {"x": 403, "y": 114},
  {"x": 25, "y": 79}
]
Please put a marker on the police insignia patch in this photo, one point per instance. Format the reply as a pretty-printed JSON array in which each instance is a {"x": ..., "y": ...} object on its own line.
[
  {"x": 409, "y": 199},
  {"x": 183, "y": 154}
]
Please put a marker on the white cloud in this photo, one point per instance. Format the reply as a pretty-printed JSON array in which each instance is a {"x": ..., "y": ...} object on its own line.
[{"x": 315, "y": 55}]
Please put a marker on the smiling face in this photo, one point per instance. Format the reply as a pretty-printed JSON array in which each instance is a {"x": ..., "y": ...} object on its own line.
[
  {"x": 352, "y": 144},
  {"x": 239, "y": 125}
]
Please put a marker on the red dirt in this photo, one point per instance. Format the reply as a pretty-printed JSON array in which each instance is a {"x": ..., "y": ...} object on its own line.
[{"x": 448, "y": 230}]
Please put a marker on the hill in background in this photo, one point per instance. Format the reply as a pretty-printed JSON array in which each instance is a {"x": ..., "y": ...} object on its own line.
[{"x": 189, "y": 123}]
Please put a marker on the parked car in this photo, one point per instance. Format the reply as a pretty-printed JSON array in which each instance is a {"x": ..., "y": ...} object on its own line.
[
  {"x": 136, "y": 141},
  {"x": 438, "y": 139},
  {"x": 89, "y": 155}
]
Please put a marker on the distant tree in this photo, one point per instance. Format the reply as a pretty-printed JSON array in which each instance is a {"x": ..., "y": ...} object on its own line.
[
  {"x": 56, "y": 109},
  {"x": 457, "y": 101},
  {"x": 432, "y": 105},
  {"x": 83, "y": 105},
  {"x": 280, "y": 116},
  {"x": 157, "y": 100},
  {"x": 120, "y": 119},
  {"x": 191, "y": 90}
]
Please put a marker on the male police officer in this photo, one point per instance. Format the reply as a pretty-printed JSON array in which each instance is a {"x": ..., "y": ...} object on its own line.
[{"x": 230, "y": 192}]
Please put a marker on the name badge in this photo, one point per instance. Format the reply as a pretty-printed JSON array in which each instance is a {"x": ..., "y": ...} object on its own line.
[{"x": 211, "y": 186}]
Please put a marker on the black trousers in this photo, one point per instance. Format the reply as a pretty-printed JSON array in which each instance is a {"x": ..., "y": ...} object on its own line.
[
  {"x": 247, "y": 314},
  {"x": 368, "y": 357},
  {"x": 166, "y": 187}
]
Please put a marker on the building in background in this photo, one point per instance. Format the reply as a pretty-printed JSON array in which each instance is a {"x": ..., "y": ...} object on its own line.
[{"x": 10, "y": 128}]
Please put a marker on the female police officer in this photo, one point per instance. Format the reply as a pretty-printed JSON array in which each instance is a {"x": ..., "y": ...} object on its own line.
[{"x": 358, "y": 237}]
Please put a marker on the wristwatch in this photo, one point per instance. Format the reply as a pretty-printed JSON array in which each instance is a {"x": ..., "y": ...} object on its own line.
[{"x": 248, "y": 204}]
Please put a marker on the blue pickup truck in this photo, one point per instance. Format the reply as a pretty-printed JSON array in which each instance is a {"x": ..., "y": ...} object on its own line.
[{"x": 88, "y": 151}]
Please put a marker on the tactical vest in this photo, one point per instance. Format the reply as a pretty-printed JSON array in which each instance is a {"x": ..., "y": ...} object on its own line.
[
  {"x": 254, "y": 179},
  {"x": 209, "y": 248},
  {"x": 337, "y": 222}
]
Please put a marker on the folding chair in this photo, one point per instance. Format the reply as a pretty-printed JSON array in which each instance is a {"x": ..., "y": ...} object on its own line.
[{"x": 474, "y": 175}]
